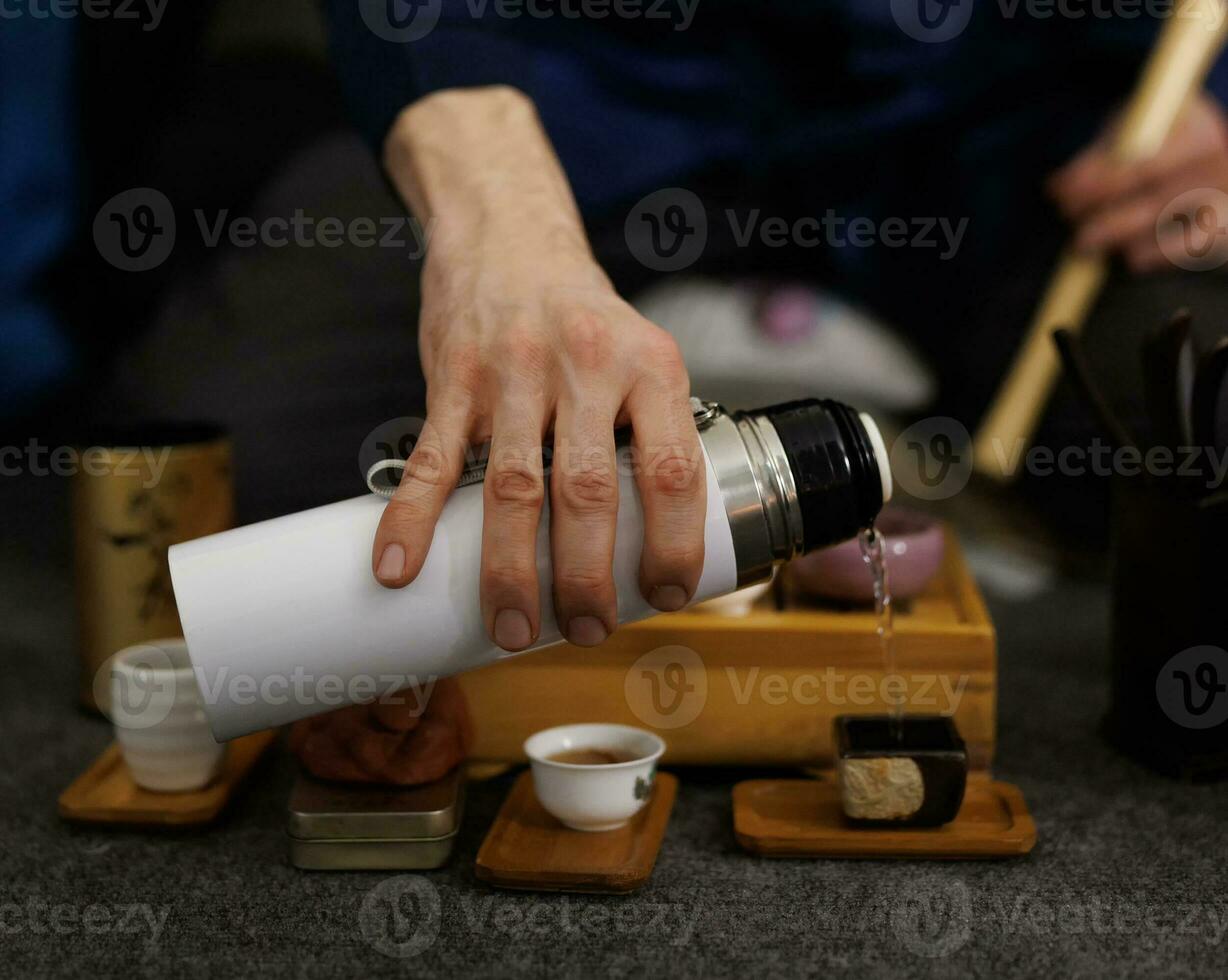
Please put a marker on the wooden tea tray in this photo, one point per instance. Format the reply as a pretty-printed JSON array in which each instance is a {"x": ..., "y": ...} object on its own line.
[
  {"x": 529, "y": 849},
  {"x": 760, "y": 689},
  {"x": 105, "y": 793},
  {"x": 803, "y": 818}
]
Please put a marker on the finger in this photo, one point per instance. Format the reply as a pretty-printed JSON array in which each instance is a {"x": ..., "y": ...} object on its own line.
[
  {"x": 1193, "y": 239},
  {"x": 1099, "y": 179},
  {"x": 583, "y": 516},
  {"x": 671, "y": 477},
  {"x": 1075, "y": 182},
  {"x": 1119, "y": 224},
  {"x": 1126, "y": 217},
  {"x": 1074, "y": 178},
  {"x": 514, "y": 491},
  {"x": 407, "y": 526},
  {"x": 1145, "y": 255}
]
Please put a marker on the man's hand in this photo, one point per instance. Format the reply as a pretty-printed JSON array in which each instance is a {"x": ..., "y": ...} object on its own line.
[
  {"x": 521, "y": 335},
  {"x": 1116, "y": 207}
]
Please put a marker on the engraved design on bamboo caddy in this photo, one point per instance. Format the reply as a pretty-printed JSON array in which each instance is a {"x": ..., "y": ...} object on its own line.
[{"x": 156, "y": 531}]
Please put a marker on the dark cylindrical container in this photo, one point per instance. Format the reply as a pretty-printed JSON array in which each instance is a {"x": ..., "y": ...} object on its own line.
[{"x": 1169, "y": 669}]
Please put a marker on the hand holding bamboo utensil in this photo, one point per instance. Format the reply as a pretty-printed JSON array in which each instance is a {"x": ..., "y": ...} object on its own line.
[{"x": 1184, "y": 51}]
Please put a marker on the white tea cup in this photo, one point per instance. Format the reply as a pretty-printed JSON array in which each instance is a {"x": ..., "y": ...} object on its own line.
[
  {"x": 594, "y": 796},
  {"x": 159, "y": 718}
]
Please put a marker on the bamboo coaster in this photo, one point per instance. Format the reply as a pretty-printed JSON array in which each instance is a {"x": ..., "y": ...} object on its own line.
[
  {"x": 105, "y": 793},
  {"x": 803, "y": 818},
  {"x": 529, "y": 849}
]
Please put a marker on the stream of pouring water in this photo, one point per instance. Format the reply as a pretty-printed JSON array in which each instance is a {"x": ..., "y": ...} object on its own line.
[{"x": 873, "y": 545}]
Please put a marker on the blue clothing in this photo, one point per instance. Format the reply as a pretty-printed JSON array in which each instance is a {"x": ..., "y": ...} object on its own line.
[
  {"x": 634, "y": 104},
  {"x": 800, "y": 108},
  {"x": 37, "y": 197}
]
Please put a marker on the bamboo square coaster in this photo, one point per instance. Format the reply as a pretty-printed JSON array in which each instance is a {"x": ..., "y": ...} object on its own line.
[
  {"x": 529, "y": 849},
  {"x": 105, "y": 793},
  {"x": 803, "y": 818}
]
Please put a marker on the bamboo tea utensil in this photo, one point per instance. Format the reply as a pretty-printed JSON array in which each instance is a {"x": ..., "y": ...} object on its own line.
[
  {"x": 1208, "y": 412},
  {"x": 1183, "y": 54},
  {"x": 529, "y": 849},
  {"x": 1070, "y": 348},
  {"x": 708, "y": 682},
  {"x": 1162, "y": 352},
  {"x": 137, "y": 493},
  {"x": 106, "y": 793},
  {"x": 803, "y": 818}
]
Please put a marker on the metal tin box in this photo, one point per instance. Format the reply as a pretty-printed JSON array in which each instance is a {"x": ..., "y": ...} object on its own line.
[{"x": 337, "y": 827}]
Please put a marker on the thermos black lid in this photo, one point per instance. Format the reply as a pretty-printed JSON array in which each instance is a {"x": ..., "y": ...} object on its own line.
[{"x": 836, "y": 467}]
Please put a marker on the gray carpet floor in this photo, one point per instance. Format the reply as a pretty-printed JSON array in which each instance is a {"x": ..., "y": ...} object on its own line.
[{"x": 1128, "y": 877}]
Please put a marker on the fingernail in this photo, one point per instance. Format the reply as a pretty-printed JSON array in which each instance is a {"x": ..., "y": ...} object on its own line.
[
  {"x": 586, "y": 631},
  {"x": 668, "y": 598},
  {"x": 391, "y": 563},
  {"x": 512, "y": 630}
]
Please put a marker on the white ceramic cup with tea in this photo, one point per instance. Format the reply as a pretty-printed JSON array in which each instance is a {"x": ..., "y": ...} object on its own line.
[
  {"x": 594, "y": 776},
  {"x": 159, "y": 717}
]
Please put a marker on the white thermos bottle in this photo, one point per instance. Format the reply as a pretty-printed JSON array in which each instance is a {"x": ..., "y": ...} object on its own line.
[{"x": 284, "y": 619}]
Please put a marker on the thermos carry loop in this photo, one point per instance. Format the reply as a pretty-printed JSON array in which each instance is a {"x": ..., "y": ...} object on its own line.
[{"x": 475, "y": 471}]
